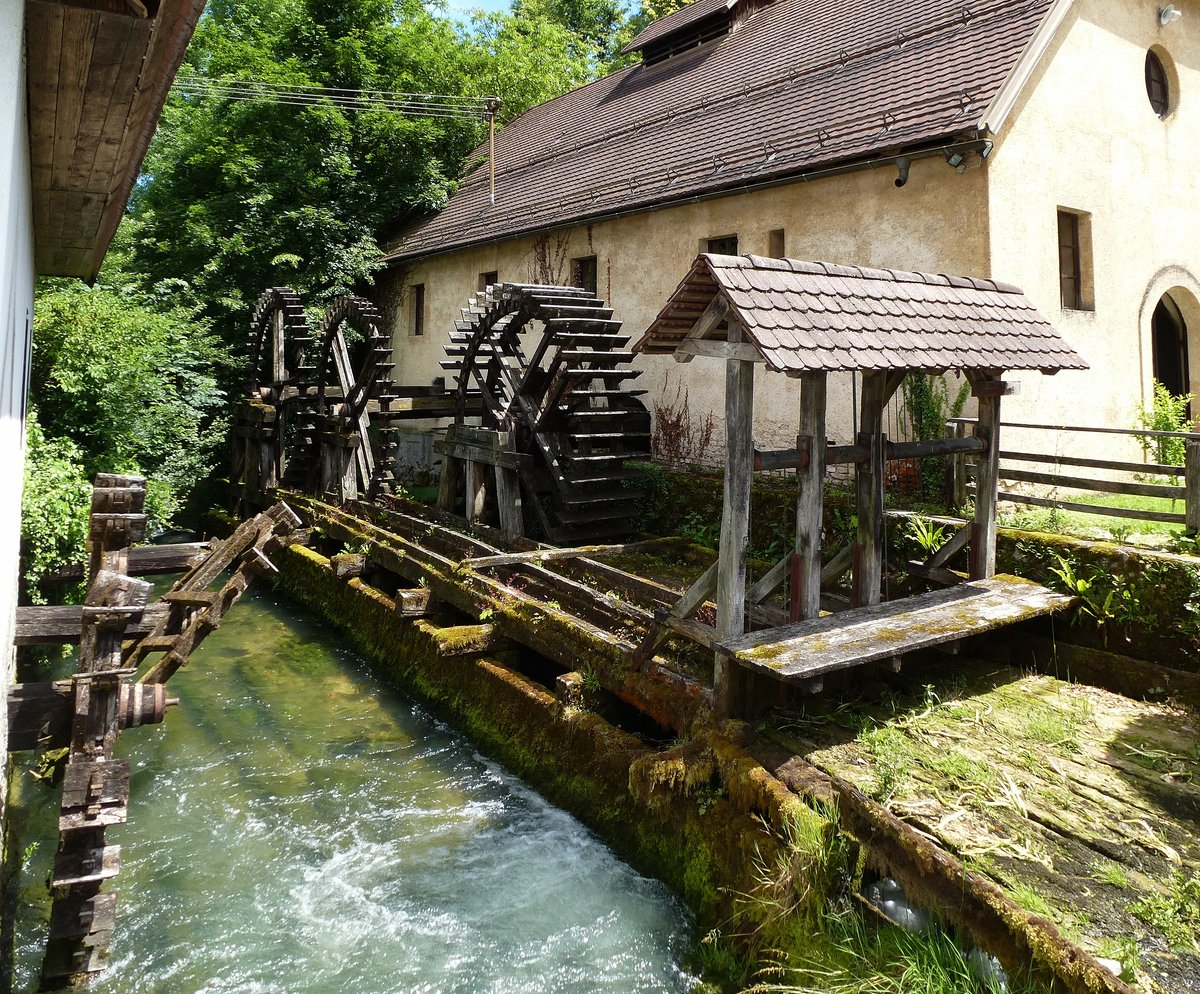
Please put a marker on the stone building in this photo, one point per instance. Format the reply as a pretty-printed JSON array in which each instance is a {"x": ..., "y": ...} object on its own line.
[{"x": 1046, "y": 143}]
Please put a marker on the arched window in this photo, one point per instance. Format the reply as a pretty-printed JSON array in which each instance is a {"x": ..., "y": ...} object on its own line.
[{"x": 1157, "y": 87}]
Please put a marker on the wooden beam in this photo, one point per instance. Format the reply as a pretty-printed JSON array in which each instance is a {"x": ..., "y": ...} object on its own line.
[
  {"x": 868, "y": 485},
  {"x": 951, "y": 548},
  {"x": 685, "y": 607},
  {"x": 716, "y": 312},
  {"x": 690, "y": 347},
  {"x": 735, "y": 517},
  {"x": 810, "y": 488},
  {"x": 987, "y": 478}
]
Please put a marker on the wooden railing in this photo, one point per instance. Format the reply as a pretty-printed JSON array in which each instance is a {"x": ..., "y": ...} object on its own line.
[{"x": 1188, "y": 493}]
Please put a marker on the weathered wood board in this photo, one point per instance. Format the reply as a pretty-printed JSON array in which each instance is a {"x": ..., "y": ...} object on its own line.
[{"x": 865, "y": 634}]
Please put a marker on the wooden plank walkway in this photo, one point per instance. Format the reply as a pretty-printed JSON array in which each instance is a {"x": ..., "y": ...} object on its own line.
[{"x": 882, "y": 631}]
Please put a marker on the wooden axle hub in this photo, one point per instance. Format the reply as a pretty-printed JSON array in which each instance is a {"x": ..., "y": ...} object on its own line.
[
  {"x": 843, "y": 455},
  {"x": 143, "y": 704}
]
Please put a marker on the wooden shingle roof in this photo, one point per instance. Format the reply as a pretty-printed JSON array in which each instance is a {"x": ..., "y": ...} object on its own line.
[
  {"x": 819, "y": 316},
  {"x": 798, "y": 87}
]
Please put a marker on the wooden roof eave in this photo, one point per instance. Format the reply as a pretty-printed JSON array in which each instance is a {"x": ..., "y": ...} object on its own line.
[{"x": 97, "y": 81}]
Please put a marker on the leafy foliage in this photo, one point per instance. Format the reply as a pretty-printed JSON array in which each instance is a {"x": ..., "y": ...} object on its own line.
[
  {"x": 121, "y": 383},
  {"x": 1167, "y": 412},
  {"x": 927, "y": 405},
  {"x": 237, "y": 196},
  {"x": 54, "y": 505}
]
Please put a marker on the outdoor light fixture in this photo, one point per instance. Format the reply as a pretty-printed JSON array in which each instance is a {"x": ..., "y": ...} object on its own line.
[
  {"x": 1168, "y": 14},
  {"x": 957, "y": 160}
]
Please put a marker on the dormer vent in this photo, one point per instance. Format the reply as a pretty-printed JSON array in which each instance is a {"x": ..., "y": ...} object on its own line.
[{"x": 690, "y": 27}]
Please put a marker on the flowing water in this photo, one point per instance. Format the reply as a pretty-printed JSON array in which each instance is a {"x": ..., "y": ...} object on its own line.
[{"x": 294, "y": 827}]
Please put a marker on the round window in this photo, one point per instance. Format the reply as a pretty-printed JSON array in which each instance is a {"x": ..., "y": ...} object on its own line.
[{"x": 1158, "y": 88}]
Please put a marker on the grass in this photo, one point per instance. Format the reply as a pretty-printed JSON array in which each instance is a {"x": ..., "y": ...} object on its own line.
[
  {"x": 1052, "y": 519},
  {"x": 1114, "y": 874},
  {"x": 861, "y": 957}
]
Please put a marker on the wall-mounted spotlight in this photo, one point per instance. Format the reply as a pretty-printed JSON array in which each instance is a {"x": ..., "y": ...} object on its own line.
[
  {"x": 957, "y": 160},
  {"x": 902, "y": 165},
  {"x": 1168, "y": 14}
]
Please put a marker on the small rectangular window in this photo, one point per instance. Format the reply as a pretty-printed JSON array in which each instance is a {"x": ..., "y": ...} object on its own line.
[
  {"x": 775, "y": 244},
  {"x": 488, "y": 279},
  {"x": 1075, "y": 260},
  {"x": 583, "y": 273},
  {"x": 418, "y": 312},
  {"x": 722, "y": 245}
]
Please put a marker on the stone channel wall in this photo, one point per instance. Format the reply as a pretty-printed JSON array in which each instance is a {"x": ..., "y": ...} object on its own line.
[
  {"x": 753, "y": 839},
  {"x": 694, "y": 815}
]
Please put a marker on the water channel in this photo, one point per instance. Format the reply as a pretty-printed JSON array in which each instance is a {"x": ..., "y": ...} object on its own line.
[{"x": 294, "y": 827}]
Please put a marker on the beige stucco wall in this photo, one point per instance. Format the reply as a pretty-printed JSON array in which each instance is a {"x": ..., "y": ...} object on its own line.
[
  {"x": 936, "y": 222},
  {"x": 1083, "y": 137}
]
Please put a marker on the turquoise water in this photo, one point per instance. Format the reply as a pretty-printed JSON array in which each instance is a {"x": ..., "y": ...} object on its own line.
[{"x": 295, "y": 828}]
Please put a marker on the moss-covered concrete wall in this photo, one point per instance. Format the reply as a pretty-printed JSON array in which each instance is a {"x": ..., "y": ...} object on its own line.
[{"x": 695, "y": 815}]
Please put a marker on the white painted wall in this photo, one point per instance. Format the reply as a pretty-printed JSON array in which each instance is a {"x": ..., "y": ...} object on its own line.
[{"x": 16, "y": 318}]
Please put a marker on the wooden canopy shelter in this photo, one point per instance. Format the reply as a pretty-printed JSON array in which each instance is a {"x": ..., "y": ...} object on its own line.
[{"x": 806, "y": 320}]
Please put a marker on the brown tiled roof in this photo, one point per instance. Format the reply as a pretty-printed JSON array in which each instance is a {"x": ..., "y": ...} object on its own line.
[
  {"x": 798, "y": 86},
  {"x": 817, "y": 315},
  {"x": 698, "y": 10}
]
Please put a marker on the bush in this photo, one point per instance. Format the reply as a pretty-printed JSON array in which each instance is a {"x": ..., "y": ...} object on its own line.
[{"x": 121, "y": 383}]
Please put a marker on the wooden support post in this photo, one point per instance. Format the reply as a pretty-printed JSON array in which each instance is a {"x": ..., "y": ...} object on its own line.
[
  {"x": 476, "y": 490},
  {"x": 988, "y": 389},
  {"x": 451, "y": 481},
  {"x": 810, "y": 484},
  {"x": 956, "y": 470},
  {"x": 508, "y": 501},
  {"x": 735, "y": 519},
  {"x": 868, "y": 482},
  {"x": 1191, "y": 483}
]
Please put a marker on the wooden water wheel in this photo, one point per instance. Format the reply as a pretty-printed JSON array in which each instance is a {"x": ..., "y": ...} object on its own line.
[
  {"x": 551, "y": 366},
  {"x": 277, "y": 390},
  {"x": 337, "y": 448}
]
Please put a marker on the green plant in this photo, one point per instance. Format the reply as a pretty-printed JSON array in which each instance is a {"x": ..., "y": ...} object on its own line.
[
  {"x": 1175, "y": 913},
  {"x": 591, "y": 678},
  {"x": 697, "y": 529},
  {"x": 927, "y": 404},
  {"x": 1125, "y": 950},
  {"x": 925, "y": 534},
  {"x": 1103, "y": 598},
  {"x": 1167, "y": 412},
  {"x": 1120, "y": 532},
  {"x": 27, "y": 854}
]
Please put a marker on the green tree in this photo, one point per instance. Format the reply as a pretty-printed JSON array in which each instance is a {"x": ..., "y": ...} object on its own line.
[
  {"x": 54, "y": 506},
  {"x": 124, "y": 383},
  {"x": 238, "y": 196}
]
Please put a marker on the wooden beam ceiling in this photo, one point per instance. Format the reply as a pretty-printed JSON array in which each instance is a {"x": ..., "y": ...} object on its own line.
[{"x": 98, "y": 74}]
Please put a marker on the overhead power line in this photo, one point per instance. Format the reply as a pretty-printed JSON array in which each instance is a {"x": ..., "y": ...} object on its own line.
[
  {"x": 441, "y": 105},
  {"x": 410, "y": 104}
]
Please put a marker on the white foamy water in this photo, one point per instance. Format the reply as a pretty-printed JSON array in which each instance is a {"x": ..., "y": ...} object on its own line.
[{"x": 295, "y": 828}]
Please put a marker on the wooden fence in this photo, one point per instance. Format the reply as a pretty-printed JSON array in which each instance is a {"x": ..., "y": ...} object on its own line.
[{"x": 1187, "y": 492}]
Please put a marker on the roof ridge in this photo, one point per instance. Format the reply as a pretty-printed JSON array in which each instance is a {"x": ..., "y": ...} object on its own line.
[{"x": 818, "y": 267}]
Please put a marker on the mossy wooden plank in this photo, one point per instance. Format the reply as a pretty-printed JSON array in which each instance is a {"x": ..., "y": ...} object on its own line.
[
  {"x": 1082, "y": 805},
  {"x": 862, "y": 635}
]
